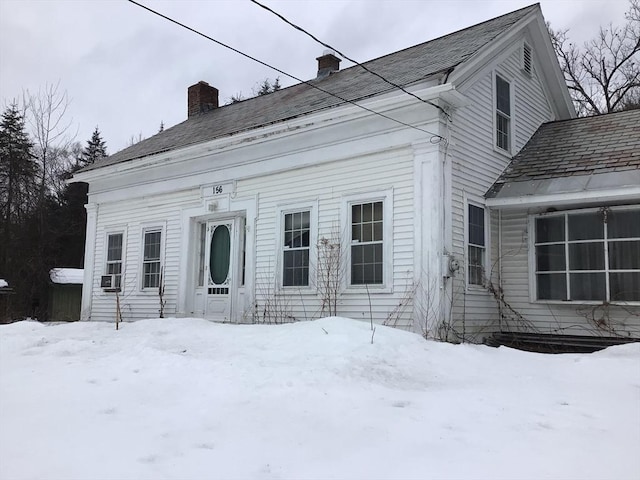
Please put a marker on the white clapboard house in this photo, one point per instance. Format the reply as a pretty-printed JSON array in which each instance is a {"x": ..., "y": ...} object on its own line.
[{"x": 300, "y": 203}]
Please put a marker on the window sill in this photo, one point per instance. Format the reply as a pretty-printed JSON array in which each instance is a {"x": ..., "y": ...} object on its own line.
[
  {"x": 586, "y": 302},
  {"x": 371, "y": 288},
  {"x": 292, "y": 290},
  {"x": 477, "y": 290},
  {"x": 501, "y": 151}
]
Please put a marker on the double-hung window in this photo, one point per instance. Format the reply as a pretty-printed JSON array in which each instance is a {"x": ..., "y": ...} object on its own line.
[
  {"x": 367, "y": 233},
  {"x": 503, "y": 114},
  {"x": 588, "y": 256},
  {"x": 114, "y": 258},
  {"x": 476, "y": 245},
  {"x": 295, "y": 248},
  {"x": 151, "y": 259}
]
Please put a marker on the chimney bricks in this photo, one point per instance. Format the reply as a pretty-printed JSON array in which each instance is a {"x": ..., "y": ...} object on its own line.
[
  {"x": 201, "y": 98},
  {"x": 327, "y": 64}
]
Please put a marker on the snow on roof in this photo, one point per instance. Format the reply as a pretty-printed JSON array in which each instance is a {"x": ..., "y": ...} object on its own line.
[
  {"x": 3, "y": 283},
  {"x": 67, "y": 275}
]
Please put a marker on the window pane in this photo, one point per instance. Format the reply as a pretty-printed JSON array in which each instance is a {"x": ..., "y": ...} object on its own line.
[
  {"x": 296, "y": 268},
  {"x": 366, "y": 264},
  {"x": 476, "y": 265},
  {"x": 152, "y": 245},
  {"x": 367, "y": 232},
  {"x": 367, "y": 212},
  {"x": 377, "y": 232},
  {"x": 476, "y": 225},
  {"x": 552, "y": 286},
  {"x": 623, "y": 224},
  {"x": 587, "y": 286},
  {"x": 377, "y": 211},
  {"x": 586, "y": 256},
  {"x": 503, "y": 99},
  {"x": 625, "y": 286},
  {"x": 586, "y": 226},
  {"x": 549, "y": 229},
  {"x": 356, "y": 214},
  {"x": 550, "y": 258},
  {"x": 624, "y": 255},
  {"x": 502, "y": 131},
  {"x": 114, "y": 247}
]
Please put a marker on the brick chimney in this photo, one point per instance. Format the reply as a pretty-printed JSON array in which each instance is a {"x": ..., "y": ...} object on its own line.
[
  {"x": 201, "y": 98},
  {"x": 327, "y": 64}
]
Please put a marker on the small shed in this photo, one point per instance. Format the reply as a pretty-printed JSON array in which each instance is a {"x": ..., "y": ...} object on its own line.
[{"x": 65, "y": 294}]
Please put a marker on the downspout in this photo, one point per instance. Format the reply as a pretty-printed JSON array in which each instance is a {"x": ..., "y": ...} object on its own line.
[{"x": 499, "y": 292}]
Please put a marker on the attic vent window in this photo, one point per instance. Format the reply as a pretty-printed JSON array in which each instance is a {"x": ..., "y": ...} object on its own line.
[{"x": 526, "y": 59}]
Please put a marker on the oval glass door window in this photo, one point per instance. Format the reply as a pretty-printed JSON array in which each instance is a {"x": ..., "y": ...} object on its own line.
[{"x": 219, "y": 255}]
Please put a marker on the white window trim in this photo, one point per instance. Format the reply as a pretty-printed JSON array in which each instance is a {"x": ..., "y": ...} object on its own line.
[
  {"x": 512, "y": 117},
  {"x": 115, "y": 230},
  {"x": 478, "y": 202},
  {"x": 145, "y": 228},
  {"x": 386, "y": 196},
  {"x": 281, "y": 211},
  {"x": 533, "y": 284}
]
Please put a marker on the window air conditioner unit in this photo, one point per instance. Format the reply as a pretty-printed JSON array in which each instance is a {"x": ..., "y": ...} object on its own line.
[{"x": 108, "y": 281}]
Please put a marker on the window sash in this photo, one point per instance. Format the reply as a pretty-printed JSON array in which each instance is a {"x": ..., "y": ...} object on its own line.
[
  {"x": 575, "y": 260},
  {"x": 367, "y": 243},
  {"x": 151, "y": 259}
]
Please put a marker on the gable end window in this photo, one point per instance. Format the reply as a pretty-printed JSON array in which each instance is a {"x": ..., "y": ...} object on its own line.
[
  {"x": 151, "y": 259},
  {"x": 367, "y": 243},
  {"x": 503, "y": 114},
  {"x": 588, "y": 256},
  {"x": 476, "y": 245},
  {"x": 114, "y": 258},
  {"x": 296, "y": 246}
]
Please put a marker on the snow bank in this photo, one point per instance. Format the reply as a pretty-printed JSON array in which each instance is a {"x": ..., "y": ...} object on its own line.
[
  {"x": 3, "y": 283},
  {"x": 190, "y": 399},
  {"x": 67, "y": 275}
]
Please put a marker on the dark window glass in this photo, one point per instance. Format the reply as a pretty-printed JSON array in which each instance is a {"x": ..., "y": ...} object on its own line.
[
  {"x": 624, "y": 255},
  {"x": 625, "y": 287},
  {"x": 586, "y": 256},
  {"x": 588, "y": 286},
  {"x": 503, "y": 98},
  {"x": 550, "y": 258},
  {"x": 552, "y": 286},
  {"x": 476, "y": 225},
  {"x": 586, "y": 226},
  {"x": 623, "y": 224},
  {"x": 366, "y": 264},
  {"x": 550, "y": 229},
  {"x": 219, "y": 255}
]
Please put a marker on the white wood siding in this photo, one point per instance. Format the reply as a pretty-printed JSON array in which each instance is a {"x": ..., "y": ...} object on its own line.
[
  {"x": 328, "y": 184},
  {"x": 133, "y": 216},
  {"x": 475, "y": 165},
  {"x": 542, "y": 317}
]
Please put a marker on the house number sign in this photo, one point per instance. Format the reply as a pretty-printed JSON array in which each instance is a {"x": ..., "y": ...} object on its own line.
[{"x": 218, "y": 189}]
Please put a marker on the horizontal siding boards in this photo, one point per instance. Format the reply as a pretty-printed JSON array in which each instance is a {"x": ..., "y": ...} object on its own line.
[
  {"x": 134, "y": 216},
  {"x": 571, "y": 319},
  {"x": 328, "y": 184},
  {"x": 475, "y": 166}
]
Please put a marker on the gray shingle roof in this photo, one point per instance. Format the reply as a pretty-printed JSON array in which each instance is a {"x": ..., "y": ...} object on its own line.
[
  {"x": 602, "y": 144},
  {"x": 403, "y": 68}
]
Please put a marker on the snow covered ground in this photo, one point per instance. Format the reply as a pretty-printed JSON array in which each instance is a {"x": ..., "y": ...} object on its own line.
[{"x": 190, "y": 399}]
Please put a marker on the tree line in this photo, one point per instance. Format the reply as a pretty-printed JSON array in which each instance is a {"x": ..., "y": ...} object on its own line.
[{"x": 42, "y": 216}]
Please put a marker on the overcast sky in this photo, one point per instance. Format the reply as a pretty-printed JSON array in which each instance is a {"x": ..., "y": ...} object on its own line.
[{"x": 126, "y": 70}]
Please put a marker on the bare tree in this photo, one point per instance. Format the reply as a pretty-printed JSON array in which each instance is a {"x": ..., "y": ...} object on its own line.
[
  {"x": 603, "y": 75},
  {"x": 46, "y": 113}
]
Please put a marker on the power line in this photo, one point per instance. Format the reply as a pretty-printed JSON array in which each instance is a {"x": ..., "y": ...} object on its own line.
[
  {"x": 197, "y": 32},
  {"x": 393, "y": 84}
]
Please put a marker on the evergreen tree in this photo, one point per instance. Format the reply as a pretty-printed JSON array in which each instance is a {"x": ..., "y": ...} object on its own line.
[
  {"x": 18, "y": 180},
  {"x": 96, "y": 149}
]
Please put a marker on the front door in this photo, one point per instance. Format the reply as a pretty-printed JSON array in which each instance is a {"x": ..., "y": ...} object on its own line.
[{"x": 219, "y": 268}]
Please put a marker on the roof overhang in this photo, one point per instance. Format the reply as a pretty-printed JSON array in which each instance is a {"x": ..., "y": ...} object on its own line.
[{"x": 603, "y": 187}]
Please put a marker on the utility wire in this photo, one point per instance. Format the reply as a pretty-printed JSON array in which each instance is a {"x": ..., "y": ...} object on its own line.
[
  {"x": 393, "y": 84},
  {"x": 193, "y": 30}
]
